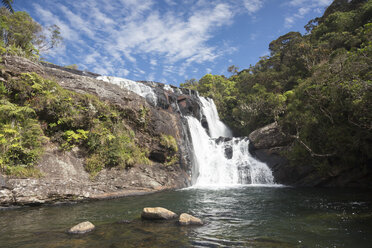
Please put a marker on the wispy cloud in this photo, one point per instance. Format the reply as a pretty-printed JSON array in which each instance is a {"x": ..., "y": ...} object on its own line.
[
  {"x": 301, "y": 8},
  {"x": 253, "y": 6},
  {"x": 140, "y": 28}
]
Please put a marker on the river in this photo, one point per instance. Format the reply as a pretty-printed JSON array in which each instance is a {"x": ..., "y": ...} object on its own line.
[{"x": 246, "y": 216}]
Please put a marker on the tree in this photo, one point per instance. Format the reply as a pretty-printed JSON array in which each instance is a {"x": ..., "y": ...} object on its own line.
[
  {"x": 49, "y": 38},
  {"x": 8, "y": 5},
  {"x": 20, "y": 31},
  {"x": 233, "y": 69}
]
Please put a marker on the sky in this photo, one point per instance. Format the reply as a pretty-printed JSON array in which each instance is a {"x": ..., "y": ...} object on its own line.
[{"x": 167, "y": 41}]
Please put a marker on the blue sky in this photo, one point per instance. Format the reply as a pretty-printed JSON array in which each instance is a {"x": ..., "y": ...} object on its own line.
[{"x": 168, "y": 40}]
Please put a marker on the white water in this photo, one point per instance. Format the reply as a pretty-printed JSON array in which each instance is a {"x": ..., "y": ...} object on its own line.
[
  {"x": 216, "y": 127},
  {"x": 214, "y": 167},
  {"x": 136, "y": 87}
]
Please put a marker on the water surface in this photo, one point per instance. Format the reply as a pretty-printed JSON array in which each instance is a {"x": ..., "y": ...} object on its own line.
[{"x": 235, "y": 217}]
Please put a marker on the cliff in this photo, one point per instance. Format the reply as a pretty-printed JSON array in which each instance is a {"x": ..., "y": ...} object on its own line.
[
  {"x": 63, "y": 172},
  {"x": 270, "y": 145}
]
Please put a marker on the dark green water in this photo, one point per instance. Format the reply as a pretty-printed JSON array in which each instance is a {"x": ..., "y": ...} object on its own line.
[{"x": 236, "y": 217}]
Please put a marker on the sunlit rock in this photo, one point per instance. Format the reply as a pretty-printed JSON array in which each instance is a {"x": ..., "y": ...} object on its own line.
[
  {"x": 82, "y": 227},
  {"x": 187, "y": 219},
  {"x": 157, "y": 213}
]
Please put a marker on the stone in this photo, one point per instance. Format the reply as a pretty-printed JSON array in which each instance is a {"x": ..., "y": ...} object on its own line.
[
  {"x": 228, "y": 152},
  {"x": 268, "y": 137},
  {"x": 187, "y": 219},
  {"x": 157, "y": 213},
  {"x": 81, "y": 228}
]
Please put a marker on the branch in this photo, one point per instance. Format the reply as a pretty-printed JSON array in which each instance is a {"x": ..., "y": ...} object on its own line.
[
  {"x": 313, "y": 154},
  {"x": 297, "y": 137}
]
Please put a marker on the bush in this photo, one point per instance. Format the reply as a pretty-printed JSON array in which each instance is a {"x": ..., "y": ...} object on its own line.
[
  {"x": 168, "y": 141},
  {"x": 68, "y": 118}
]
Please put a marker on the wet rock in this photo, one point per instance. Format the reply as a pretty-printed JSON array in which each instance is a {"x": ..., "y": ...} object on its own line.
[
  {"x": 81, "y": 228},
  {"x": 223, "y": 139},
  {"x": 268, "y": 137},
  {"x": 158, "y": 156},
  {"x": 189, "y": 105},
  {"x": 157, "y": 213},
  {"x": 228, "y": 152},
  {"x": 187, "y": 219}
]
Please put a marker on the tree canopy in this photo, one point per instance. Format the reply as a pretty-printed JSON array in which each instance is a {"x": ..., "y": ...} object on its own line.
[
  {"x": 317, "y": 87},
  {"x": 21, "y": 35}
]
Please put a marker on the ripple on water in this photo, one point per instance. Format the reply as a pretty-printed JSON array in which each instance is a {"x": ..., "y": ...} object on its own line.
[{"x": 235, "y": 217}]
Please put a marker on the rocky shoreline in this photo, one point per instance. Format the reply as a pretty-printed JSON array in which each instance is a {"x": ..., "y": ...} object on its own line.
[{"x": 63, "y": 177}]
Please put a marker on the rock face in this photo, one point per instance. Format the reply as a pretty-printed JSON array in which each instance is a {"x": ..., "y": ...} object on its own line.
[
  {"x": 187, "y": 219},
  {"x": 268, "y": 144},
  {"x": 81, "y": 228},
  {"x": 157, "y": 213},
  {"x": 64, "y": 177},
  {"x": 269, "y": 137}
]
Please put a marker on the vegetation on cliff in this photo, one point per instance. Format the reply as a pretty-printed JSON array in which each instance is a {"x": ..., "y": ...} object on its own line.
[
  {"x": 317, "y": 86},
  {"x": 35, "y": 110}
]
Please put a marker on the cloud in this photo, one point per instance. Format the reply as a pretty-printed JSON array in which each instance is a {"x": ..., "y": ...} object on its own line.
[
  {"x": 105, "y": 37},
  {"x": 49, "y": 19},
  {"x": 153, "y": 62},
  {"x": 253, "y": 6},
  {"x": 318, "y": 3},
  {"x": 302, "y": 8}
]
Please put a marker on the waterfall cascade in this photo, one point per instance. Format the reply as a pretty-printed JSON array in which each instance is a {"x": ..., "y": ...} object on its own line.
[
  {"x": 136, "y": 87},
  {"x": 219, "y": 159},
  {"x": 222, "y": 161}
]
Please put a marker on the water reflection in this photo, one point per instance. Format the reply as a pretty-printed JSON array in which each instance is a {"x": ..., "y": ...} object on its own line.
[{"x": 235, "y": 217}]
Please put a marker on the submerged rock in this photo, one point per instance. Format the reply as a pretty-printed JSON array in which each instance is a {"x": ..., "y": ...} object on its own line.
[
  {"x": 157, "y": 213},
  {"x": 81, "y": 228},
  {"x": 187, "y": 219}
]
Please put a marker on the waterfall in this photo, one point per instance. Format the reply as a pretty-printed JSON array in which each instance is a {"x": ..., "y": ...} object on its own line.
[
  {"x": 216, "y": 127},
  {"x": 139, "y": 88},
  {"x": 223, "y": 161}
]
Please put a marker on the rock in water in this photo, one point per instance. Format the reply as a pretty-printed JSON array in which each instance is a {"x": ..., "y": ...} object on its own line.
[
  {"x": 82, "y": 227},
  {"x": 187, "y": 219},
  {"x": 157, "y": 213}
]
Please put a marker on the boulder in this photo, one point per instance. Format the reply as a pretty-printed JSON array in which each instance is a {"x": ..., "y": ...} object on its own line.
[
  {"x": 82, "y": 227},
  {"x": 187, "y": 219},
  {"x": 157, "y": 213},
  {"x": 269, "y": 137}
]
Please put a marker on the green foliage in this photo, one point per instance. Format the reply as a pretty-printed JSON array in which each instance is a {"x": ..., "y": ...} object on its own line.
[
  {"x": 73, "y": 138},
  {"x": 8, "y": 5},
  {"x": 68, "y": 118},
  {"x": 169, "y": 142},
  {"x": 316, "y": 86},
  {"x": 20, "y": 35},
  {"x": 21, "y": 139},
  {"x": 94, "y": 165}
]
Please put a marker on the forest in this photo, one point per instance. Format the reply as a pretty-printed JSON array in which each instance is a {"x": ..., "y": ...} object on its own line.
[{"x": 317, "y": 86}]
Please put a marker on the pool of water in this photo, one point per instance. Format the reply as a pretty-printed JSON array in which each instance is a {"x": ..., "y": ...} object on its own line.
[{"x": 235, "y": 217}]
